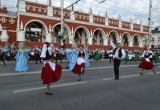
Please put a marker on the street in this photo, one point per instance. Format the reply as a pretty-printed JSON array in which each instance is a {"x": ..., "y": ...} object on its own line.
[{"x": 96, "y": 91}]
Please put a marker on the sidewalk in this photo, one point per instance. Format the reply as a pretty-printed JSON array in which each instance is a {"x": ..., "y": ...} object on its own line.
[{"x": 10, "y": 66}]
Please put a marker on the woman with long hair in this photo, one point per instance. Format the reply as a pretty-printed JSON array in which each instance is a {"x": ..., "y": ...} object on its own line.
[
  {"x": 80, "y": 64},
  {"x": 51, "y": 72}
]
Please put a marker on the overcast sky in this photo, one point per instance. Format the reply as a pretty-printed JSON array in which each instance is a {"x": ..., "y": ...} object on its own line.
[{"x": 135, "y": 9}]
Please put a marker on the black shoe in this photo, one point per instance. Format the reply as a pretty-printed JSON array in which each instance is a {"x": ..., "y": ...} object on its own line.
[
  {"x": 67, "y": 67},
  {"x": 79, "y": 79},
  {"x": 116, "y": 78},
  {"x": 48, "y": 93},
  {"x": 141, "y": 73}
]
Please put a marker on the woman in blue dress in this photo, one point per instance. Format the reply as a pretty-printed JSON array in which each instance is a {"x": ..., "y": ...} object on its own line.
[
  {"x": 87, "y": 63},
  {"x": 72, "y": 56},
  {"x": 21, "y": 59}
]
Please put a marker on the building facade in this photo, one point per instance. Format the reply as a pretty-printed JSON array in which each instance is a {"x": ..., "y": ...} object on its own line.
[
  {"x": 36, "y": 23},
  {"x": 156, "y": 37}
]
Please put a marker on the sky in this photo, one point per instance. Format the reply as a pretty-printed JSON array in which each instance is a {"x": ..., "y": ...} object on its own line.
[{"x": 135, "y": 9}]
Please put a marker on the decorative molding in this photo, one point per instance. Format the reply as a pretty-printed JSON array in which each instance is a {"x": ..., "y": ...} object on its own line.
[
  {"x": 3, "y": 20},
  {"x": 81, "y": 22},
  {"x": 12, "y": 20},
  {"x": 9, "y": 16}
]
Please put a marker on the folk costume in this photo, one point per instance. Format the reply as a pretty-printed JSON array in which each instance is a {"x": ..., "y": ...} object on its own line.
[
  {"x": 21, "y": 59},
  {"x": 118, "y": 55},
  {"x": 96, "y": 56},
  {"x": 157, "y": 58},
  {"x": 51, "y": 72},
  {"x": 2, "y": 57},
  {"x": 79, "y": 68},
  {"x": 126, "y": 59},
  {"x": 136, "y": 57},
  {"x": 37, "y": 52},
  {"x": 86, "y": 58},
  {"x": 110, "y": 56},
  {"x": 146, "y": 62},
  {"x": 76, "y": 60}
]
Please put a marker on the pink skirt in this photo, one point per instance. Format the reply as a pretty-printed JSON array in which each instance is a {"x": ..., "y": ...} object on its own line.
[
  {"x": 77, "y": 68},
  {"x": 146, "y": 65},
  {"x": 48, "y": 75}
]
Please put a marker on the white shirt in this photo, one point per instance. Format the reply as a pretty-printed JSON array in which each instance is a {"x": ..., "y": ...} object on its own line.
[
  {"x": 117, "y": 51},
  {"x": 110, "y": 53}
]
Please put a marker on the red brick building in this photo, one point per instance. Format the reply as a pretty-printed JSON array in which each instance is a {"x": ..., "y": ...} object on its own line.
[{"x": 37, "y": 23}]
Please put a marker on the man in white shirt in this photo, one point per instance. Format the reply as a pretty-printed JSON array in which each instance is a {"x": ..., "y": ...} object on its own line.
[
  {"x": 118, "y": 55},
  {"x": 110, "y": 55}
]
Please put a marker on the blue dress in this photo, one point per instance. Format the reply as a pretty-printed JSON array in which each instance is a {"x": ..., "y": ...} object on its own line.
[
  {"x": 72, "y": 58},
  {"x": 21, "y": 61},
  {"x": 87, "y": 64}
]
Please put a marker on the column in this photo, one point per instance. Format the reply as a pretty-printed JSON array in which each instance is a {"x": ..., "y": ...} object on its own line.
[
  {"x": 72, "y": 15},
  {"x": 140, "y": 44},
  {"x": 90, "y": 16},
  {"x": 21, "y": 6},
  {"x": 90, "y": 40},
  {"x": 21, "y": 36},
  {"x": 106, "y": 19},
  {"x": 49, "y": 10},
  {"x": 105, "y": 41},
  {"x": 120, "y": 21},
  {"x": 131, "y": 44},
  {"x": 131, "y": 23},
  {"x": 71, "y": 39},
  {"x": 48, "y": 37},
  {"x": 4, "y": 35}
]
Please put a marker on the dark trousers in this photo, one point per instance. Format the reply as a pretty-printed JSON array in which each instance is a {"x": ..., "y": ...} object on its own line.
[
  {"x": 58, "y": 56},
  {"x": 37, "y": 57},
  {"x": 116, "y": 63},
  {"x": 151, "y": 59},
  {"x": 1, "y": 58},
  {"x": 110, "y": 59}
]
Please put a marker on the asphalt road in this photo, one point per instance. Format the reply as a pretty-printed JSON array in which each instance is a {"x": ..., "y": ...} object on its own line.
[{"x": 96, "y": 91}]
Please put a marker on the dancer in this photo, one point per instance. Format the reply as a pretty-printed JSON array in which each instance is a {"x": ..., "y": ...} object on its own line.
[
  {"x": 37, "y": 52},
  {"x": 76, "y": 60},
  {"x": 72, "y": 56},
  {"x": 126, "y": 59},
  {"x": 136, "y": 57},
  {"x": 1, "y": 57},
  {"x": 80, "y": 64},
  {"x": 86, "y": 58},
  {"x": 96, "y": 56},
  {"x": 21, "y": 59},
  {"x": 146, "y": 63},
  {"x": 51, "y": 72},
  {"x": 110, "y": 55},
  {"x": 157, "y": 59},
  {"x": 118, "y": 54}
]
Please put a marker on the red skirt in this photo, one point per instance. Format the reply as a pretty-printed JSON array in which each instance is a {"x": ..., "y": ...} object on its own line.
[
  {"x": 77, "y": 68},
  {"x": 146, "y": 65},
  {"x": 48, "y": 75}
]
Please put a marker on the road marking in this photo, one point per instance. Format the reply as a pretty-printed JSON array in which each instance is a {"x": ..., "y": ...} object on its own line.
[
  {"x": 38, "y": 88},
  {"x": 69, "y": 84},
  {"x": 38, "y": 72},
  {"x": 66, "y": 79},
  {"x": 130, "y": 76}
]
